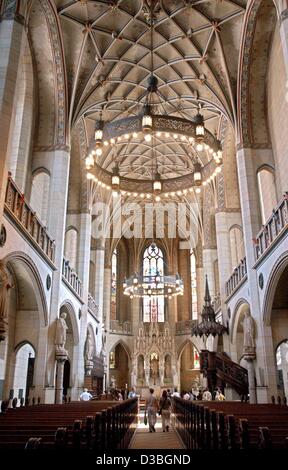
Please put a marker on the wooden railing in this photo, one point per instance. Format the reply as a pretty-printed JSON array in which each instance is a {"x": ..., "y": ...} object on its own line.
[
  {"x": 273, "y": 228},
  {"x": 239, "y": 273},
  {"x": 92, "y": 306},
  {"x": 71, "y": 277},
  {"x": 218, "y": 367},
  {"x": 121, "y": 327},
  {"x": 94, "y": 426},
  {"x": 230, "y": 425},
  {"x": 23, "y": 214},
  {"x": 185, "y": 327}
]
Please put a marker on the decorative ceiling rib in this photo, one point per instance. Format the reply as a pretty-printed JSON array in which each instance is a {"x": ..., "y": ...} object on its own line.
[{"x": 108, "y": 55}]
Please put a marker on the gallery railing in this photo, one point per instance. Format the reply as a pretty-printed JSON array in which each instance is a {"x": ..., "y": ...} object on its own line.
[
  {"x": 273, "y": 228},
  {"x": 239, "y": 273},
  {"x": 71, "y": 277},
  {"x": 22, "y": 213},
  {"x": 92, "y": 306}
]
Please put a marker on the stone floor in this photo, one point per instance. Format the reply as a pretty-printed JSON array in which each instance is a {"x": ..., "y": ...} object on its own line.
[{"x": 143, "y": 439}]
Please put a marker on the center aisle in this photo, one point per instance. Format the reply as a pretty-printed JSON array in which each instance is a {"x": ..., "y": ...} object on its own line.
[{"x": 143, "y": 439}]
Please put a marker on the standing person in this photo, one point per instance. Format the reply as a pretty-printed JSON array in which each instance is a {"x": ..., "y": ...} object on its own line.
[
  {"x": 207, "y": 396},
  {"x": 165, "y": 410},
  {"x": 219, "y": 396},
  {"x": 176, "y": 393},
  {"x": 151, "y": 408},
  {"x": 85, "y": 395},
  {"x": 132, "y": 393}
]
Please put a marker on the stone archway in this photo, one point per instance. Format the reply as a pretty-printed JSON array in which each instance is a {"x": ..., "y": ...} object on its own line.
[
  {"x": 189, "y": 366},
  {"x": 26, "y": 330}
]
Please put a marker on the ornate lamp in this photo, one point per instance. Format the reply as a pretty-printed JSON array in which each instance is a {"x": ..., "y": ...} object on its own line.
[
  {"x": 209, "y": 325},
  {"x": 99, "y": 137},
  {"x": 200, "y": 129},
  {"x": 197, "y": 176},
  {"x": 115, "y": 180},
  {"x": 157, "y": 184}
]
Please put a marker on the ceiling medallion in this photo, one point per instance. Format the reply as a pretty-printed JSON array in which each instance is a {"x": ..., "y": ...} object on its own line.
[{"x": 151, "y": 9}]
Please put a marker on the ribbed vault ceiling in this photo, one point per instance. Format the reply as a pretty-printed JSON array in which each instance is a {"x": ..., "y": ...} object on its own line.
[{"x": 108, "y": 57}]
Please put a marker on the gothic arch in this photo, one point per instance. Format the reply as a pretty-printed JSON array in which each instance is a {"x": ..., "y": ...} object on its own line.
[
  {"x": 184, "y": 344},
  {"x": 23, "y": 343},
  {"x": 50, "y": 72},
  {"x": 67, "y": 304},
  {"x": 23, "y": 259},
  {"x": 124, "y": 346},
  {"x": 258, "y": 26},
  {"x": 239, "y": 309},
  {"x": 271, "y": 285}
]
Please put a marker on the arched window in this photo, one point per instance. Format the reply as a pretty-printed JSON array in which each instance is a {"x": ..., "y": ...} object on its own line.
[
  {"x": 193, "y": 285},
  {"x": 39, "y": 199},
  {"x": 267, "y": 192},
  {"x": 153, "y": 264},
  {"x": 236, "y": 245},
  {"x": 71, "y": 246},
  {"x": 114, "y": 284}
]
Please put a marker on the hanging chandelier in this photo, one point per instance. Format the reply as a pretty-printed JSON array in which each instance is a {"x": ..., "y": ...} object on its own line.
[
  {"x": 150, "y": 123},
  {"x": 208, "y": 325},
  {"x": 139, "y": 286},
  {"x": 153, "y": 285}
]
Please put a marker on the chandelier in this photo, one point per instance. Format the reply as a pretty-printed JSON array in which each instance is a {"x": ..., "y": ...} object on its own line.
[
  {"x": 150, "y": 123},
  {"x": 209, "y": 325},
  {"x": 153, "y": 285}
]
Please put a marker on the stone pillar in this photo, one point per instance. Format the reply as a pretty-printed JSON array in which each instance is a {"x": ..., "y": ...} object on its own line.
[
  {"x": 251, "y": 378},
  {"x": 83, "y": 273},
  {"x": 209, "y": 257},
  {"x": 11, "y": 49},
  {"x": 60, "y": 360},
  {"x": 251, "y": 225},
  {"x": 57, "y": 163},
  {"x": 99, "y": 278},
  {"x": 107, "y": 296},
  {"x": 284, "y": 36}
]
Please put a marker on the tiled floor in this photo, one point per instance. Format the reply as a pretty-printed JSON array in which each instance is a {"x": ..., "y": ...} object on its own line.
[{"x": 143, "y": 439}]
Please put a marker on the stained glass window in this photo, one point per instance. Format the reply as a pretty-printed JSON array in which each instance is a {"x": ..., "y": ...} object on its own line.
[
  {"x": 193, "y": 286},
  {"x": 153, "y": 264},
  {"x": 196, "y": 359}
]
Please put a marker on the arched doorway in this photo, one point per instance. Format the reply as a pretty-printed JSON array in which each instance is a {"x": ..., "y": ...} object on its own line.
[
  {"x": 119, "y": 367},
  {"x": 282, "y": 368},
  {"x": 279, "y": 327},
  {"x": 21, "y": 368},
  {"x": 189, "y": 367},
  {"x": 24, "y": 371}
]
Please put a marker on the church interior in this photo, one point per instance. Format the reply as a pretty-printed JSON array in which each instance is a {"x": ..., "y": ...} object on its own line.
[{"x": 143, "y": 223}]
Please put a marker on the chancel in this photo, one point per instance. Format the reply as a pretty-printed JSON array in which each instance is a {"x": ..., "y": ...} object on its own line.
[{"x": 143, "y": 224}]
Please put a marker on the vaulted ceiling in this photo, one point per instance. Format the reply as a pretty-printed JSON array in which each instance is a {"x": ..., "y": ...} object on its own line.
[{"x": 107, "y": 47}]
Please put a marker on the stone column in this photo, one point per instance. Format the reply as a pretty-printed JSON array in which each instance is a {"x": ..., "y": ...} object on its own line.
[
  {"x": 251, "y": 225},
  {"x": 284, "y": 36},
  {"x": 83, "y": 272},
  {"x": 251, "y": 378},
  {"x": 57, "y": 163},
  {"x": 61, "y": 358},
  {"x": 11, "y": 49},
  {"x": 209, "y": 257},
  {"x": 107, "y": 296}
]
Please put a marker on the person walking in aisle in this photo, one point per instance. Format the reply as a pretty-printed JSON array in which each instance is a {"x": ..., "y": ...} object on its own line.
[
  {"x": 151, "y": 409},
  {"x": 165, "y": 410}
]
